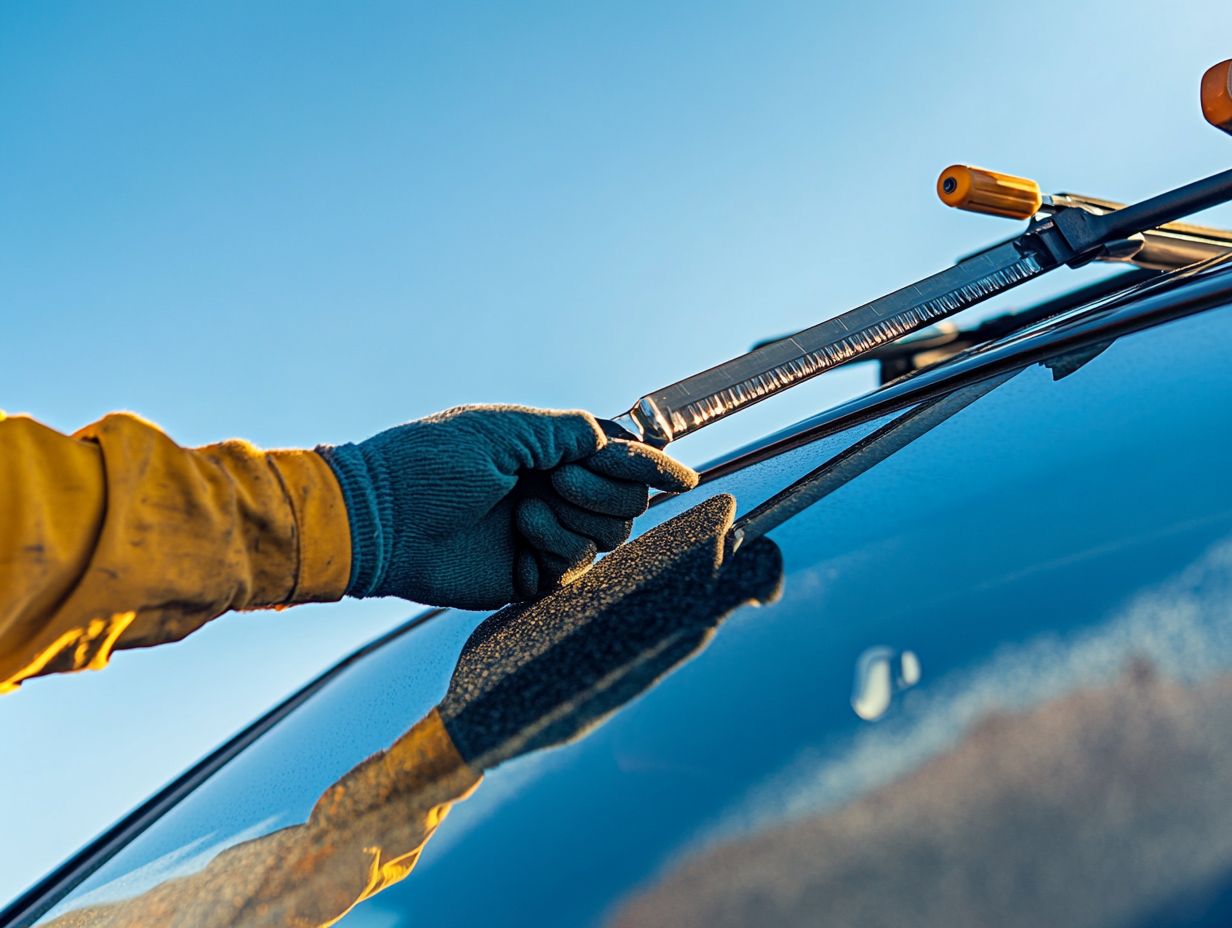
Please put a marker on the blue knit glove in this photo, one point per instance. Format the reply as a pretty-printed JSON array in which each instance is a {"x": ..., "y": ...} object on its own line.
[{"x": 474, "y": 507}]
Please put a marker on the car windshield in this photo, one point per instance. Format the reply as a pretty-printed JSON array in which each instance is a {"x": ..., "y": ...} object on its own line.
[{"x": 968, "y": 663}]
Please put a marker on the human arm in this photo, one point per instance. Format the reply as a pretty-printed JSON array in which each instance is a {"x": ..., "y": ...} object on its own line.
[{"x": 116, "y": 537}]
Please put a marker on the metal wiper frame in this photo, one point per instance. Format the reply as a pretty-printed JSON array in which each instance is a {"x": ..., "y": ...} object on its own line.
[
  {"x": 944, "y": 342},
  {"x": 1159, "y": 299}
]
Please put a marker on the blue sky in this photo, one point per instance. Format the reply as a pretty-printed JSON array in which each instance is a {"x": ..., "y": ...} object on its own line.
[{"x": 301, "y": 223}]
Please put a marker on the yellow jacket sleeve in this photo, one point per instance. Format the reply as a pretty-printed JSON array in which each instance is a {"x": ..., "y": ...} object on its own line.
[
  {"x": 116, "y": 537},
  {"x": 365, "y": 833}
]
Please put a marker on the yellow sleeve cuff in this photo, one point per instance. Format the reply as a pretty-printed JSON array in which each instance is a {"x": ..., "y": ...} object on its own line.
[{"x": 323, "y": 532}]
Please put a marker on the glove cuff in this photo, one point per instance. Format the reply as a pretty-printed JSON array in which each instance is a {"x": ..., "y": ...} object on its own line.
[{"x": 369, "y": 502}]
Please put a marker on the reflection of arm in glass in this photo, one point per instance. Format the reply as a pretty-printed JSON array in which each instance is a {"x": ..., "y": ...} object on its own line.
[
  {"x": 364, "y": 833},
  {"x": 528, "y": 678}
]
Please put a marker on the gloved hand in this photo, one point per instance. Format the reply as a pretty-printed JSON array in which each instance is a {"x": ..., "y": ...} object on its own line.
[{"x": 481, "y": 505}]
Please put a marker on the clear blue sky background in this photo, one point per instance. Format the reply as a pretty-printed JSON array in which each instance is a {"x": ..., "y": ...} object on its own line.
[{"x": 300, "y": 223}]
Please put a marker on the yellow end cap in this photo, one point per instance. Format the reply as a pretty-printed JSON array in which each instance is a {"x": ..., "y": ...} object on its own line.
[
  {"x": 980, "y": 191},
  {"x": 1217, "y": 95}
]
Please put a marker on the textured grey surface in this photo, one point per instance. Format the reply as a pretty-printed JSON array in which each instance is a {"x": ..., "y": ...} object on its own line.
[{"x": 537, "y": 675}]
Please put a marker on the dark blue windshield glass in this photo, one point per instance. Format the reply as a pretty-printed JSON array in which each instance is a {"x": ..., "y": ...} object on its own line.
[{"x": 996, "y": 689}]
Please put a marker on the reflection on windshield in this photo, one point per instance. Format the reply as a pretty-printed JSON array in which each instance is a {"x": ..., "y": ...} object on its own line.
[
  {"x": 528, "y": 678},
  {"x": 1038, "y": 818},
  {"x": 881, "y": 674},
  {"x": 1101, "y": 796}
]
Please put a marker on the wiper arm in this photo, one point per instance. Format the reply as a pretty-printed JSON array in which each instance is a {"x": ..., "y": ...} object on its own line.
[{"x": 1169, "y": 247}]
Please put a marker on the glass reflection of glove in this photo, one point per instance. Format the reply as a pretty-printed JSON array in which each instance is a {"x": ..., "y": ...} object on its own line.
[
  {"x": 539, "y": 675},
  {"x": 460, "y": 508}
]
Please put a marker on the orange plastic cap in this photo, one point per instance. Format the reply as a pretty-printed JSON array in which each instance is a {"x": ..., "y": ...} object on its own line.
[
  {"x": 1217, "y": 95},
  {"x": 980, "y": 191}
]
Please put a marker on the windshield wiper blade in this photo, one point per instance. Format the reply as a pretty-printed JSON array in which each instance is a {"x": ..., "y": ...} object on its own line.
[
  {"x": 932, "y": 347},
  {"x": 945, "y": 340},
  {"x": 693, "y": 403},
  {"x": 1070, "y": 236}
]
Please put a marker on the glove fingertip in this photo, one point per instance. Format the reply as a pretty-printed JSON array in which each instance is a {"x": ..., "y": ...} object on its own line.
[
  {"x": 607, "y": 532},
  {"x": 636, "y": 462},
  {"x": 560, "y": 572},
  {"x": 526, "y": 575},
  {"x": 678, "y": 479}
]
